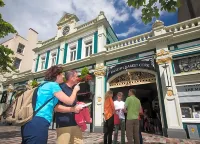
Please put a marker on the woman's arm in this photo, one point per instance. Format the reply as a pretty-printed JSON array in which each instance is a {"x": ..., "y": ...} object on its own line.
[
  {"x": 112, "y": 105},
  {"x": 64, "y": 109},
  {"x": 67, "y": 99}
]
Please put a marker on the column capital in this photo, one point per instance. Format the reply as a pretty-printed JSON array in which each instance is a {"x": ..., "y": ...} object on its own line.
[
  {"x": 100, "y": 70},
  {"x": 163, "y": 56}
]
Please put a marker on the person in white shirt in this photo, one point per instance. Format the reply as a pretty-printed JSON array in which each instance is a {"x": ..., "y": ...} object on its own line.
[{"x": 119, "y": 109}]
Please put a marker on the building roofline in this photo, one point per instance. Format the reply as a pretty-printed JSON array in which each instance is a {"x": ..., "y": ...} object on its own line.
[
  {"x": 33, "y": 30},
  {"x": 6, "y": 40}
]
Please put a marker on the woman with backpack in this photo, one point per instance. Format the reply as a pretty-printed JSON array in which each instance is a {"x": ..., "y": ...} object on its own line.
[{"x": 36, "y": 130}]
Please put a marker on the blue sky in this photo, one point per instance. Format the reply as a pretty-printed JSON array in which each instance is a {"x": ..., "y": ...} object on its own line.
[{"x": 42, "y": 15}]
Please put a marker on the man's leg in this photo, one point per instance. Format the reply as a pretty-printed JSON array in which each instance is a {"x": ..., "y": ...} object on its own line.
[
  {"x": 129, "y": 131},
  {"x": 136, "y": 132},
  {"x": 63, "y": 135},
  {"x": 116, "y": 134},
  {"x": 77, "y": 136},
  {"x": 122, "y": 131},
  {"x": 140, "y": 133}
]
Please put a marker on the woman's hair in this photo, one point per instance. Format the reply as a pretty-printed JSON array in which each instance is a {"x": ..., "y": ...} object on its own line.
[
  {"x": 108, "y": 94},
  {"x": 120, "y": 94},
  {"x": 52, "y": 73}
]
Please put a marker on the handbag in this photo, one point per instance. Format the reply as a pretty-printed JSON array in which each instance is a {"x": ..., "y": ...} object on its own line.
[{"x": 116, "y": 119}]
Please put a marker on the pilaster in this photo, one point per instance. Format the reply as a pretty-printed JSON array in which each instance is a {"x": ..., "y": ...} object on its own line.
[
  {"x": 62, "y": 46},
  {"x": 99, "y": 96},
  {"x": 101, "y": 38},
  {"x": 171, "y": 100}
]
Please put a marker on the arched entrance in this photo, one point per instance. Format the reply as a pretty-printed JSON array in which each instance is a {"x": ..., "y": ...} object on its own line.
[{"x": 147, "y": 90}]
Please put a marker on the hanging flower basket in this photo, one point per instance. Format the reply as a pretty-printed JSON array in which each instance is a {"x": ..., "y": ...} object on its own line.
[{"x": 85, "y": 76}]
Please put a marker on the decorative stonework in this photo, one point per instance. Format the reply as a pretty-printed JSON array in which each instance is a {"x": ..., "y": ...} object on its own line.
[
  {"x": 157, "y": 23},
  {"x": 10, "y": 88},
  {"x": 162, "y": 53},
  {"x": 163, "y": 57},
  {"x": 100, "y": 70},
  {"x": 59, "y": 27},
  {"x": 132, "y": 78},
  {"x": 164, "y": 60},
  {"x": 170, "y": 92}
]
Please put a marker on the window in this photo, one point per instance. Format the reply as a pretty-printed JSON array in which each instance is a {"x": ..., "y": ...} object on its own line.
[
  {"x": 17, "y": 63},
  {"x": 88, "y": 49},
  {"x": 20, "y": 48},
  {"x": 73, "y": 54},
  {"x": 42, "y": 63},
  {"x": 189, "y": 98},
  {"x": 187, "y": 64},
  {"x": 6, "y": 45},
  {"x": 53, "y": 59}
]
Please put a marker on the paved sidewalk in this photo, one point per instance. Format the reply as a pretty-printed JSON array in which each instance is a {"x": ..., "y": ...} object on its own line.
[{"x": 9, "y": 134}]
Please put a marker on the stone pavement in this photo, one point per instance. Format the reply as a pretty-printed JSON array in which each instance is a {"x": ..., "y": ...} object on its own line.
[{"x": 10, "y": 134}]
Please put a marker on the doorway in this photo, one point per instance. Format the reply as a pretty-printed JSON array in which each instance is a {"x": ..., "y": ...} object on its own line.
[{"x": 146, "y": 91}]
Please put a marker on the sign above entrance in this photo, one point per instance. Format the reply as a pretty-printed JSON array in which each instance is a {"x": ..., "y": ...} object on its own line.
[{"x": 147, "y": 63}]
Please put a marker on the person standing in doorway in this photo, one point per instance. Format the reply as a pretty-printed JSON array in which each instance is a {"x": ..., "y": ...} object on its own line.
[
  {"x": 132, "y": 106},
  {"x": 119, "y": 109},
  {"x": 68, "y": 132},
  {"x": 155, "y": 118},
  {"x": 140, "y": 122},
  {"x": 109, "y": 111}
]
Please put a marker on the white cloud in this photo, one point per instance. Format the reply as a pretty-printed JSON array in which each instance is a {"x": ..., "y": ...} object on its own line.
[
  {"x": 130, "y": 31},
  {"x": 42, "y": 15}
]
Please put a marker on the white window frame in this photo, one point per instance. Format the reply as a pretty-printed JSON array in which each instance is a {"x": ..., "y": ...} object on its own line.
[
  {"x": 72, "y": 50},
  {"x": 20, "y": 48},
  {"x": 53, "y": 56},
  {"x": 43, "y": 61},
  {"x": 90, "y": 48}
]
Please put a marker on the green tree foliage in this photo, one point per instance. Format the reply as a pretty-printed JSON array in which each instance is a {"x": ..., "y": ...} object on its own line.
[
  {"x": 150, "y": 8},
  {"x": 6, "y": 60}
]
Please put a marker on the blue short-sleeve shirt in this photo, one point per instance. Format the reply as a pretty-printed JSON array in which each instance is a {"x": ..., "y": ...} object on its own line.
[{"x": 44, "y": 93}]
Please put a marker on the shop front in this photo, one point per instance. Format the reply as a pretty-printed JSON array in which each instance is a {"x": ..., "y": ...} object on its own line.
[
  {"x": 187, "y": 78},
  {"x": 139, "y": 74}
]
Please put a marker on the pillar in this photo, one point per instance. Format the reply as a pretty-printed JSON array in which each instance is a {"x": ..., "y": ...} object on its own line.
[
  {"x": 171, "y": 100},
  {"x": 99, "y": 97}
]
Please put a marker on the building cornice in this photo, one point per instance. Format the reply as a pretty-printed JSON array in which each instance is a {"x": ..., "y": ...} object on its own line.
[{"x": 76, "y": 35}]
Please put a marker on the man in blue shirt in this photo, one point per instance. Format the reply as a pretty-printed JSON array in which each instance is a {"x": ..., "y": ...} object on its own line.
[{"x": 67, "y": 129}]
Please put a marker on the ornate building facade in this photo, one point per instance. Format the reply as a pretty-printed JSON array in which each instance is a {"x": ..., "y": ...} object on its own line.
[{"x": 162, "y": 65}]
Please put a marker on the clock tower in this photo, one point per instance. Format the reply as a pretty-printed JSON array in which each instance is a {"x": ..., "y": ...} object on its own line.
[{"x": 66, "y": 24}]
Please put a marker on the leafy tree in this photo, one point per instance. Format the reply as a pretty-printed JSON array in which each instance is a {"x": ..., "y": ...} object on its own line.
[
  {"x": 150, "y": 8},
  {"x": 6, "y": 60}
]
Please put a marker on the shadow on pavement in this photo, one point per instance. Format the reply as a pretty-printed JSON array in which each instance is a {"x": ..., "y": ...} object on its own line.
[{"x": 12, "y": 134}]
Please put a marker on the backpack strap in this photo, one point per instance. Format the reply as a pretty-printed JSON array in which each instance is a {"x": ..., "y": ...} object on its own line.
[
  {"x": 35, "y": 98},
  {"x": 35, "y": 112},
  {"x": 35, "y": 95}
]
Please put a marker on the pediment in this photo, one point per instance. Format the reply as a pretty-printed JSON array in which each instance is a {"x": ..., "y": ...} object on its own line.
[{"x": 67, "y": 18}]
